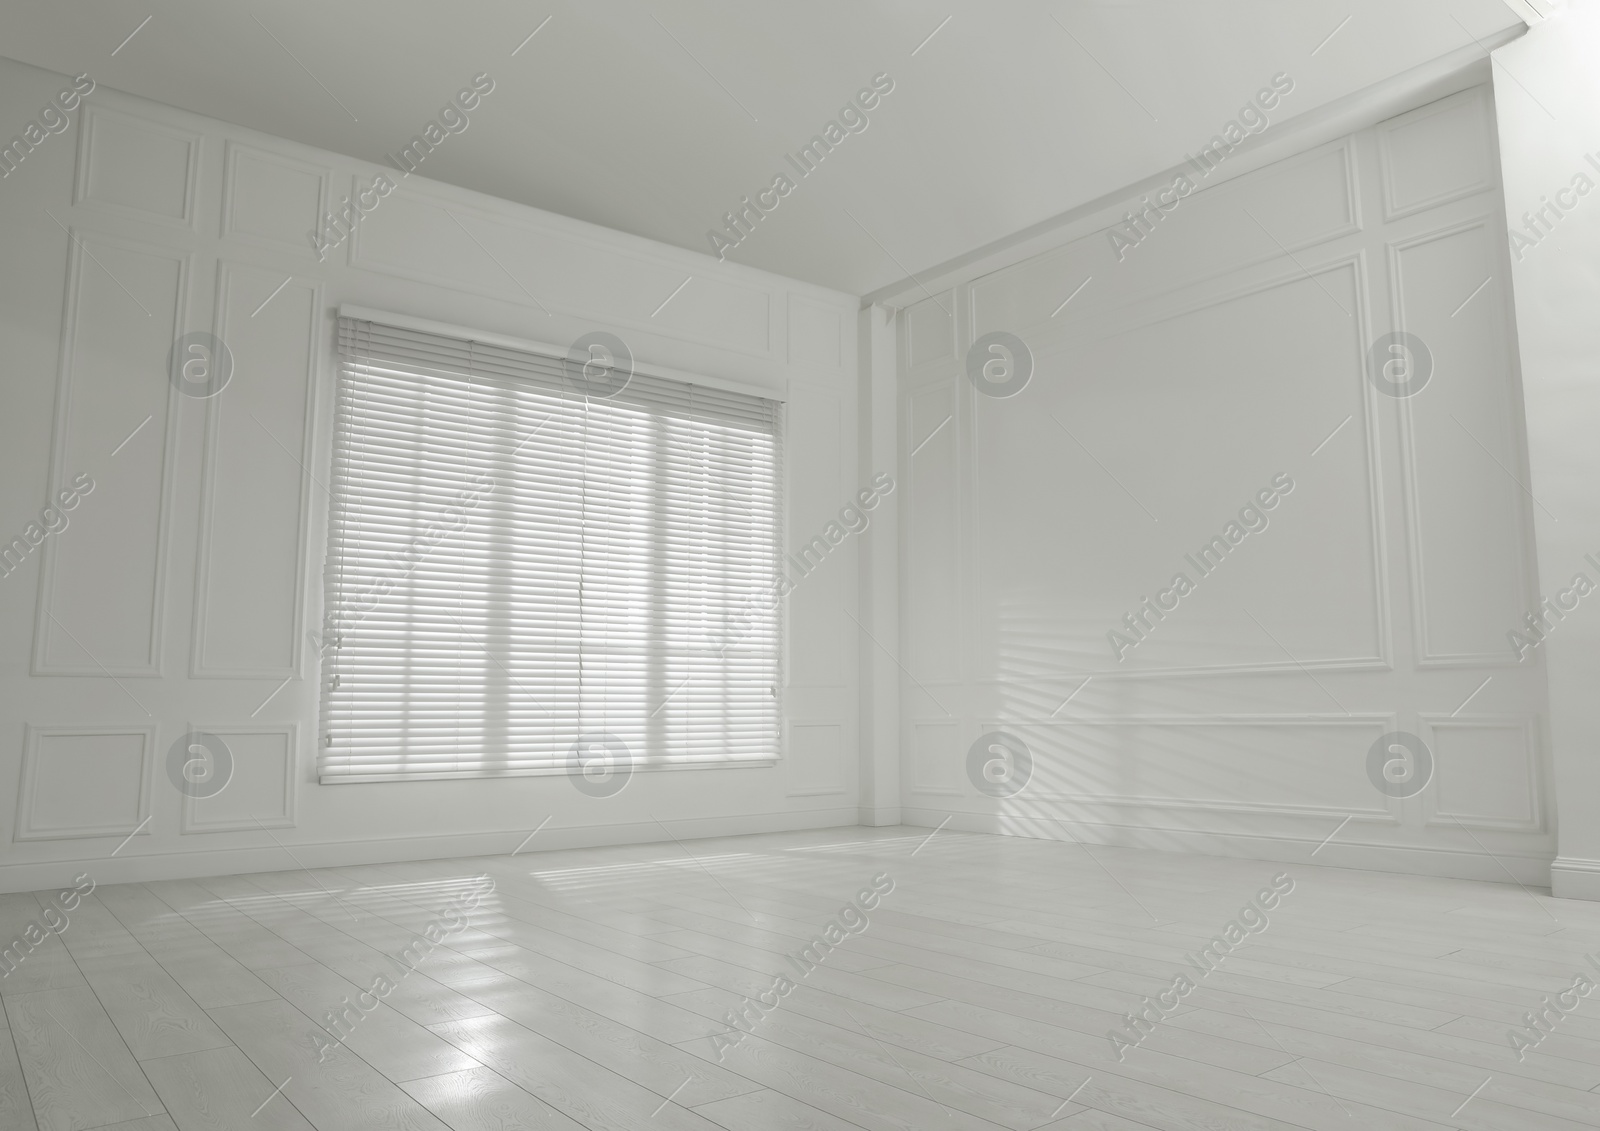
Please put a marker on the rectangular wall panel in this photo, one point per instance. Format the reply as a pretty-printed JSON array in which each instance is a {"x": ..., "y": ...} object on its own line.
[
  {"x": 259, "y": 786},
  {"x": 115, "y": 415},
  {"x": 84, "y": 781},
  {"x": 1101, "y": 482},
  {"x": 1437, "y": 153},
  {"x": 137, "y": 167},
  {"x": 1461, "y": 450},
  {"x": 248, "y": 592},
  {"x": 1486, "y": 773},
  {"x": 272, "y": 200}
]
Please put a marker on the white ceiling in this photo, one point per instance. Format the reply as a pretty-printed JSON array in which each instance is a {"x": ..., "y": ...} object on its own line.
[{"x": 655, "y": 118}]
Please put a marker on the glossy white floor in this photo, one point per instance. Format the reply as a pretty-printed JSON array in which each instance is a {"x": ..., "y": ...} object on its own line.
[{"x": 588, "y": 990}]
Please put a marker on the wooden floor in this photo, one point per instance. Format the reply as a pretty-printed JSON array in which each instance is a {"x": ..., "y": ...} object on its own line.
[{"x": 586, "y": 991}]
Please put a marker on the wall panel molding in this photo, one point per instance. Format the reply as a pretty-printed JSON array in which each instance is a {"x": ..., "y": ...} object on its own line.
[
  {"x": 236, "y": 224},
  {"x": 44, "y": 784},
  {"x": 103, "y": 156},
  {"x": 280, "y": 814},
  {"x": 1428, "y": 655},
  {"x": 287, "y": 383},
  {"x": 94, "y": 454}
]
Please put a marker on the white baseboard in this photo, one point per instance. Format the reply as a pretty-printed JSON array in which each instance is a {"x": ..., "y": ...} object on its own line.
[
  {"x": 1572, "y": 877},
  {"x": 1347, "y": 852},
  {"x": 192, "y": 864}
]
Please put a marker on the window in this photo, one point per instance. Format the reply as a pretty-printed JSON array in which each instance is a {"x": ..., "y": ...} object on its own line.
[{"x": 514, "y": 566}]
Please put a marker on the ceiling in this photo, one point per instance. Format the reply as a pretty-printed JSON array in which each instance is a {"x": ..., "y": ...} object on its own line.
[{"x": 655, "y": 118}]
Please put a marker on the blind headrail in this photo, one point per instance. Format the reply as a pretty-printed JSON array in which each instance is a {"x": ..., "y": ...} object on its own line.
[{"x": 777, "y": 391}]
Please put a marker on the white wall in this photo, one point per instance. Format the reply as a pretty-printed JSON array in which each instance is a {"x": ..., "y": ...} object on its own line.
[
  {"x": 1216, "y": 355},
  {"x": 1549, "y": 115},
  {"x": 182, "y": 591}
]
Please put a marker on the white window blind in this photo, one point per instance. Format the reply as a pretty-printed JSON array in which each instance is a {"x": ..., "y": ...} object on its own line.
[{"x": 513, "y": 566}]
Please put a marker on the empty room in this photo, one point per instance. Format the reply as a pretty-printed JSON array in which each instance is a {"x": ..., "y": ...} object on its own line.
[{"x": 619, "y": 566}]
